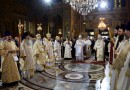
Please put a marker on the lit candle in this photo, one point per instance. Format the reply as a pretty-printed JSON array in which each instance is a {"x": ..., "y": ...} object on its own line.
[{"x": 48, "y": 28}]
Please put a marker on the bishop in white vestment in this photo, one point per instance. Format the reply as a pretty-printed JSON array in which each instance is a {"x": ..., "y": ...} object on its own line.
[
  {"x": 79, "y": 49},
  {"x": 26, "y": 54},
  {"x": 99, "y": 47}
]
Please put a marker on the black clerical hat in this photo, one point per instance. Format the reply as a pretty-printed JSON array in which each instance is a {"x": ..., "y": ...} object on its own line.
[
  {"x": 24, "y": 35},
  {"x": 7, "y": 33},
  {"x": 117, "y": 27},
  {"x": 123, "y": 26},
  {"x": 128, "y": 26}
]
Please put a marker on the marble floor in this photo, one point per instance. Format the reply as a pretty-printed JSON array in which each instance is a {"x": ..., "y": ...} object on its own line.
[{"x": 69, "y": 75}]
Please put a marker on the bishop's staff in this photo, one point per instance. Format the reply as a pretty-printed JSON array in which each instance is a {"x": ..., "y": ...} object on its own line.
[{"x": 20, "y": 28}]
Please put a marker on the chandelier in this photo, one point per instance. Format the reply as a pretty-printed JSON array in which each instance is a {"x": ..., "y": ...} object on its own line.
[
  {"x": 83, "y": 6},
  {"x": 102, "y": 25}
]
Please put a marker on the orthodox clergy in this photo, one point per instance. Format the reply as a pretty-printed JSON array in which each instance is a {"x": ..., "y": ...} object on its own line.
[
  {"x": 119, "y": 62},
  {"x": 39, "y": 53},
  {"x": 67, "y": 45},
  {"x": 87, "y": 43},
  {"x": 49, "y": 47},
  {"x": 124, "y": 75},
  {"x": 57, "y": 48},
  {"x": 115, "y": 73},
  {"x": 116, "y": 36},
  {"x": 26, "y": 54},
  {"x": 10, "y": 73},
  {"x": 122, "y": 43},
  {"x": 79, "y": 49},
  {"x": 99, "y": 48},
  {"x": 120, "y": 36}
]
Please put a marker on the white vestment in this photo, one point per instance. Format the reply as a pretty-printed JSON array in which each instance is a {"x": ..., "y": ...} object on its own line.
[
  {"x": 29, "y": 62},
  {"x": 67, "y": 53},
  {"x": 99, "y": 47},
  {"x": 49, "y": 48},
  {"x": 57, "y": 50},
  {"x": 121, "y": 46},
  {"x": 79, "y": 50},
  {"x": 88, "y": 48}
]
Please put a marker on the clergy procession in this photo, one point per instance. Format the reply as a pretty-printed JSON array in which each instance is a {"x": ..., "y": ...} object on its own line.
[{"x": 23, "y": 57}]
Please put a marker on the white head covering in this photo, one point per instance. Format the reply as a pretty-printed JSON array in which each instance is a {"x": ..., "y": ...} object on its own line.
[
  {"x": 99, "y": 36},
  {"x": 80, "y": 36},
  {"x": 38, "y": 36}
]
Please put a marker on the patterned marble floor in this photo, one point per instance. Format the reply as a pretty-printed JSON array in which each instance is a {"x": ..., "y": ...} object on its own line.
[{"x": 69, "y": 75}]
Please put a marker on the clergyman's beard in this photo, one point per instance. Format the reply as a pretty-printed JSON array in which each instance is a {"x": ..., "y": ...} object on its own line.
[
  {"x": 121, "y": 37},
  {"x": 28, "y": 42},
  {"x": 126, "y": 37},
  {"x": 116, "y": 35}
]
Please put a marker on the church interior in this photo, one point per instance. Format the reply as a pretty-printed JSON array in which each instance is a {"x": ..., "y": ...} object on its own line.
[{"x": 64, "y": 44}]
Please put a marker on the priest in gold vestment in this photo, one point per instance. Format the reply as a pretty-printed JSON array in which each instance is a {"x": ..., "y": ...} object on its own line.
[
  {"x": 39, "y": 53},
  {"x": 119, "y": 61},
  {"x": 49, "y": 47},
  {"x": 123, "y": 82},
  {"x": 10, "y": 73},
  {"x": 99, "y": 47}
]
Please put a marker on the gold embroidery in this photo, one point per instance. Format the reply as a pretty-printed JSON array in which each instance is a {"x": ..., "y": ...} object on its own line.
[
  {"x": 127, "y": 73},
  {"x": 121, "y": 58}
]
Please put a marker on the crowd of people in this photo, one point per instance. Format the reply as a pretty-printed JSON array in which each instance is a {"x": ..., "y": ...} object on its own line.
[{"x": 22, "y": 57}]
